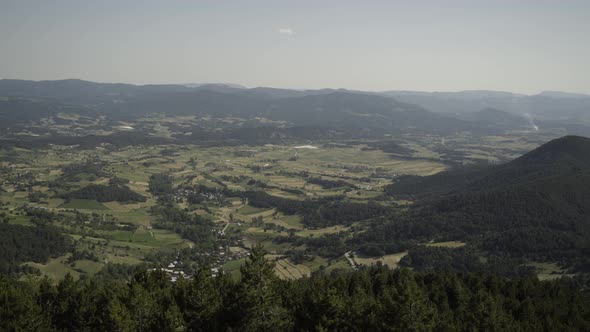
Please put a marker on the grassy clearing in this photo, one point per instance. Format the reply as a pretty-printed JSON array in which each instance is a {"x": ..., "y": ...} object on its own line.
[
  {"x": 282, "y": 194},
  {"x": 447, "y": 244},
  {"x": 261, "y": 232},
  {"x": 83, "y": 204},
  {"x": 316, "y": 263},
  {"x": 549, "y": 271},
  {"x": 289, "y": 222},
  {"x": 139, "y": 236},
  {"x": 338, "y": 264},
  {"x": 136, "y": 217},
  {"x": 89, "y": 267},
  {"x": 285, "y": 269},
  {"x": 123, "y": 207},
  {"x": 249, "y": 210},
  {"x": 54, "y": 202},
  {"x": 233, "y": 268},
  {"x": 391, "y": 260},
  {"x": 21, "y": 220},
  {"x": 147, "y": 239},
  {"x": 122, "y": 259},
  {"x": 321, "y": 231},
  {"x": 57, "y": 268}
]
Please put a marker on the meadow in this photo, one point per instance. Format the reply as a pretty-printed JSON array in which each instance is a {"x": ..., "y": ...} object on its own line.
[{"x": 279, "y": 170}]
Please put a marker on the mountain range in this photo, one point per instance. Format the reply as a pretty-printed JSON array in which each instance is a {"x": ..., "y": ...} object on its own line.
[{"x": 473, "y": 111}]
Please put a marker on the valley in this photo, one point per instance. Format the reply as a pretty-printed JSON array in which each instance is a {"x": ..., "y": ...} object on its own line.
[
  {"x": 265, "y": 166},
  {"x": 210, "y": 182},
  {"x": 151, "y": 207},
  {"x": 134, "y": 178}
]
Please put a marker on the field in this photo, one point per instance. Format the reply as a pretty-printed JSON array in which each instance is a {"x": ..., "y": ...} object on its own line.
[
  {"x": 448, "y": 244},
  {"x": 56, "y": 268},
  {"x": 279, "y": 170},
  {"x": 389, "y": 260},
  {"x": 287, "y": 270},
  {"x": 550, "y": 271},
  {"x": 83, "y": 204}
]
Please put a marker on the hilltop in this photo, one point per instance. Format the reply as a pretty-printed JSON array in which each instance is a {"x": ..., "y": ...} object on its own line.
[{"x": 535, "y": 207}]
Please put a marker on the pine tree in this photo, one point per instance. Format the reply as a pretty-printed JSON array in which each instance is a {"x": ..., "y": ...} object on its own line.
[
  {"x": 200, "y": 301},
  {"x": 258, "y": 297},
  {"x": 406, "y": 306},
  {"x": 66, "y": 306},
  {"x": 119, "y": 317}
]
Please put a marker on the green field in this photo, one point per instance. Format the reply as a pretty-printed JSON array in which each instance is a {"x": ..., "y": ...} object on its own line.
[
  {"x": 250, "y": 210},
  {"x": 83, "y": 204},
  {"x": 447, "y": 244},
  {"x": 391, "y": 260},
  {"x": 285, "y": 269},
  {"x": 240, "y": 168},
  {"x": 233, "y": 268}
]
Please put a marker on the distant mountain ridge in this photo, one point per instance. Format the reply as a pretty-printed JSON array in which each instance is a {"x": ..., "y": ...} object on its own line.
[
  {"x": 328, "y": 108},
  {"x": 543, "y": 106},
  {"x": 444, "y": 112},
  {"x": 17, "y": 87},
  {"x": 495, "y": 117},
  {"x": 229, "y": 85}
]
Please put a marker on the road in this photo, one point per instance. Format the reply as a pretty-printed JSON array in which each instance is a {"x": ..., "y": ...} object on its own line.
[{"x": 350, "y": 260}]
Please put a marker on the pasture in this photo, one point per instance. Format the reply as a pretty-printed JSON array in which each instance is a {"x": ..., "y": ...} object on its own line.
[{"x": 279, "y": 170}]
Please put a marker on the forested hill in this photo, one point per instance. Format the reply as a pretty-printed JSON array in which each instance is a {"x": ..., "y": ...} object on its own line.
[
  {"x": 475, "y": 112},
  {"x": 536, "y": 207},
  {"x": 375, "y": 299},
  {"x": 331, "y": 108},
  {"x": 565, "y": 149},
  {"x": 563, "y": 157}
]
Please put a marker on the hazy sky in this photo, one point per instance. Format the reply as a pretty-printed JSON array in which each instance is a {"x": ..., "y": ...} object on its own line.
[{"x": 519, "y": 45}]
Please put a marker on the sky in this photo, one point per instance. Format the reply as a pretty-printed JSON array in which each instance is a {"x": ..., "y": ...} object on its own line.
[{"x": 523, "y": 46}]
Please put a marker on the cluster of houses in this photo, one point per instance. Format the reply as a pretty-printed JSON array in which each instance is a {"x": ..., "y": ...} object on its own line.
[
  {"x": 183, "y": 193},
  {"x": 223, "y": 256},
  {"x": 175, "y": 270}
]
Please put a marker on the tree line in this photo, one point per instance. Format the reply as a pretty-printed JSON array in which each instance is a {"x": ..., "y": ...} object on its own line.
[
  {"x": 372, "y": 299},
  {"x": 105, "y": 193},
  {"x": 19, "y": 244},
  {"x": 322, "y": 212}
]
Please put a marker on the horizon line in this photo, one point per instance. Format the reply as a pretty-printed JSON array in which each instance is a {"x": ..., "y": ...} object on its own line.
[{"x": 246, "y": 87}]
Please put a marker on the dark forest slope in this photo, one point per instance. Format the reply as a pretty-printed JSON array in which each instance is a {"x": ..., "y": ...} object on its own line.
[{"x": 537, "y": 206}]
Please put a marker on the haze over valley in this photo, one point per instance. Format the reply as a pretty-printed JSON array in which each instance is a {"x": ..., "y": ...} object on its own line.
[{"x": 431, "y": 172}]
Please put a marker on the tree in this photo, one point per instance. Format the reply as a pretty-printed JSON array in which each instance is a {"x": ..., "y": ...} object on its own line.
[
  {"x": 18, "y": 310},
  {"x": 200, "y": 301},
  {"x": 193, "y": 163},
  {"x": 406, "y": 306},
  {"x": 119, "y": 317},
  {"x": 258, "y": 296},
  {"x": 160, "y": 184},
  {"x": 142, "y": 306},
  {"x": 66, "y": 306}
]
